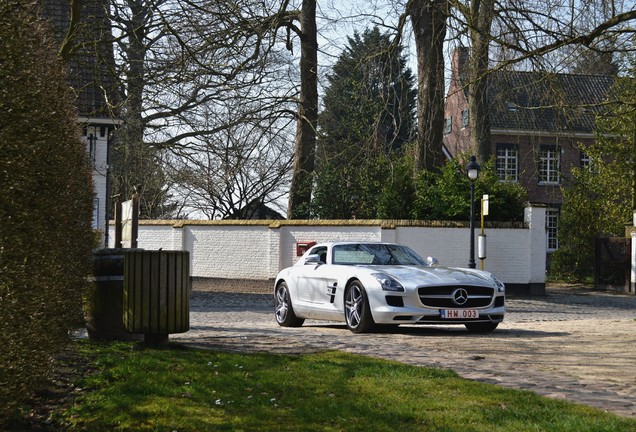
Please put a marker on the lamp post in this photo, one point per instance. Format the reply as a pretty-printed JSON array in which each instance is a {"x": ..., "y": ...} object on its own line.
[{"x": 472, "y": 170}]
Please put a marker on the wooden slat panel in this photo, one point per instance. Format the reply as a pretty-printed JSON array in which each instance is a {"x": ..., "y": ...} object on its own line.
[
  {"x": 157, "y": 292},
  {"x": 162, "y": 292},
  {"x": 127, "y": 287},
  {"x": 146, "y": 273},
  {"x": 173, "y": 286},
  {"x": 187, "y": 284},
  {"x": 137, "y": 305}
]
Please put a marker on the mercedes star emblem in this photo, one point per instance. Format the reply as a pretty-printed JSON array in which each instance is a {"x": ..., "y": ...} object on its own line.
[{"x": 460, "y": 296}]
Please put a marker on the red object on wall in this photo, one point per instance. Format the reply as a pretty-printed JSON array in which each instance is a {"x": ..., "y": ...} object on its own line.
[{"x": 301, "y": 247}]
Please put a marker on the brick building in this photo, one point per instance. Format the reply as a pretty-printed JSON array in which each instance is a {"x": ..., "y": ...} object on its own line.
[{"x": 538, "y": 122}]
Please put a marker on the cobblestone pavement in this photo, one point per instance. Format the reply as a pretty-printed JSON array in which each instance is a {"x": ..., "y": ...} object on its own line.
[{"x": 573, "y": 343}]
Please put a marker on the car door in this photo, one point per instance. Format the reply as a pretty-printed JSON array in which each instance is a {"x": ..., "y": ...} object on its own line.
[
  {"x": 323, "y": 283},
  {"x": 310, "y": 278},
  {"x": 316, "y": 277}
]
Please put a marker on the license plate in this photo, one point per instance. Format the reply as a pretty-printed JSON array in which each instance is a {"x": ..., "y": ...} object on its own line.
[{"x": 459, "y": 313}]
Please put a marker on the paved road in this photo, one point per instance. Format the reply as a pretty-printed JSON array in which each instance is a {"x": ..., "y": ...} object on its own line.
[{"x": 574, "y": 344}]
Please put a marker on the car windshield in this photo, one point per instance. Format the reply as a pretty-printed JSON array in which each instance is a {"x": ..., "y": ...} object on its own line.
[{"x": 375, "y": 254}]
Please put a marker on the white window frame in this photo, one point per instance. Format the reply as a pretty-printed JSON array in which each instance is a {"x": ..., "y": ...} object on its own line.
[
  {"x": 549, "y": 166},
  {"x": 465, "y": 118},
  {"x": 448, "y": 125},
  {"x": 552, "y": 229},
  {"x": 588, "y": 163},
  {"x": 95, "y": 213},
  {"x": 507, "y": 162}
]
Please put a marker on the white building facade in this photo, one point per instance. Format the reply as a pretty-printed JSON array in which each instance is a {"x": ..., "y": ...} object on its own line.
[{"x": 98, "y": 132}]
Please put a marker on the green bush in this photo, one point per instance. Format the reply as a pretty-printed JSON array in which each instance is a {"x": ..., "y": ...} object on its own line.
[
  {"x": 598, "y": 202},
  {"x": 446, "y": 195},
  {"x": 383, "y": 188},
  {"x": 46, "y": 198}
]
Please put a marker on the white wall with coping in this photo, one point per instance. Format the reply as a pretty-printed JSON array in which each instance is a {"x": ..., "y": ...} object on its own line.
[
  {"x": 507, "y": 249},
  {"x": 257, "y": 250}
]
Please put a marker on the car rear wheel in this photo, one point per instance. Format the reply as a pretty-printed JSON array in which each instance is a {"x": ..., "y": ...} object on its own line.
[
  {"x": 481, "y": 327},
  {"x": 285, "y": 315},
  {"x": 357, "y": 310}
]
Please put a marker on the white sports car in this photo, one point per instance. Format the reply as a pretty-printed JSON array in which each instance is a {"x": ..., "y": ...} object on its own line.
[{"x": 364, "y": 284}]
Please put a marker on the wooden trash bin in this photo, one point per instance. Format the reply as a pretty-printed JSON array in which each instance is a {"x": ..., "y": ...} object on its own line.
[
  {"x": 103, "y": 305},
  {"x": 157, "y": 293}
]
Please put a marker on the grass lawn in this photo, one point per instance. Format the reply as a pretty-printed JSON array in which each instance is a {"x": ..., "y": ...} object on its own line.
[{"x": 128, "y": 388}]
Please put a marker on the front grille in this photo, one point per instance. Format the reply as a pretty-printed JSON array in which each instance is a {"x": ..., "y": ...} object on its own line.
[{"x": 442, "y": 296}]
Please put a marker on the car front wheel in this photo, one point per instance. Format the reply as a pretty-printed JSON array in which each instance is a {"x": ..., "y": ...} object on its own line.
[
  {"x": 481, "y": 327},
  {"x": 285, "y": 315},
  {"x": 357, "y": 310}
]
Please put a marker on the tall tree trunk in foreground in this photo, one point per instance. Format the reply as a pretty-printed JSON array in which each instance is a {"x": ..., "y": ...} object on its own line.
[
  {"x": 429, "y": 26},
  {"x": 301, "y": 184},
  {"x": 481, "y": 16}
]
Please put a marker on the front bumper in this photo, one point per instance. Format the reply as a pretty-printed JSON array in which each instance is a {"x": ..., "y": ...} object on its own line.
[{"x": 404, "y": 308}]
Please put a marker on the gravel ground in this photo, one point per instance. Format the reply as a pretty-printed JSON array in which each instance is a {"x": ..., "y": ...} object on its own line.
[{"x": 574, "y": 343}]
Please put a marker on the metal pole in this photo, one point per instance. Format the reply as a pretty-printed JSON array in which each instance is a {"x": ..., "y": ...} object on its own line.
[
  {"x": 118, "y": 227},
  {"x": 482, "y": 229},
  {"x": 471, "y": 261},
  {"x": 135, "y": 220},
  {"x": 108, "y": 192}
]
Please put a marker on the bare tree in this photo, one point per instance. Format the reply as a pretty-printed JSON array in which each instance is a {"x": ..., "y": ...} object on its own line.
[
  {"x": 180, "y": 61},
  {"x": 183, "y": 62},
  {"x": 243, "y": 167}
]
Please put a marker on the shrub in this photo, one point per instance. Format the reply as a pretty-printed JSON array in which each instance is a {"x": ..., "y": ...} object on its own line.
[
  {"x": 446, "y": 195},
  {"x": 46, "y": 198}
]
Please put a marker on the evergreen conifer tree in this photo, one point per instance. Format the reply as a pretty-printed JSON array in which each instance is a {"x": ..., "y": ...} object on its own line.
[{"x": 368, "y": 119}]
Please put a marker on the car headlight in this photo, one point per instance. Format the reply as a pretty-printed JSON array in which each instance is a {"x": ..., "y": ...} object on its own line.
[
  {"x": 500, "y": 285},
  {"x": 388, "y": 283}
]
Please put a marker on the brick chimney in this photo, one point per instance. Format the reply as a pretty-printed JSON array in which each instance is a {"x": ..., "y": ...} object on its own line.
[{"x": 459, "y": 66}]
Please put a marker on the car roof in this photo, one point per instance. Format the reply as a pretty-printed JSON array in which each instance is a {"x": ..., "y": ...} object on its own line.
[{"x": 354, "y": 242}]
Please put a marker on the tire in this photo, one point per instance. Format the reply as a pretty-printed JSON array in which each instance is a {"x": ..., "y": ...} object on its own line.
[
  {"x": 481, "y": 327},
  {"x": 357, "y": 311},
  {"x": 284, "y": 312}
]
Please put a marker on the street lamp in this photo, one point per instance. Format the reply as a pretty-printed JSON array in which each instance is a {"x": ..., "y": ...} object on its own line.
[{"x": 472, "y": 170}]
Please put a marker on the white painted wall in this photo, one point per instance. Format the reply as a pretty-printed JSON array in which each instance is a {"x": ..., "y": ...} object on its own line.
[{"x": 257, "y": 250}]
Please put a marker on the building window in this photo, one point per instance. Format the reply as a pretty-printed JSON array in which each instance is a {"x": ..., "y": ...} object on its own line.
[
  {"x": 506, "y": 165},
  {"x": 588, "y": 164},
  {"x": 551, "y": 228},
  {"x": 95, "y": 213},
  {"x": 549, "y": 164},
  {"x": 465, "y": 118},
  {"x": 448, "y": 125},
  {"x": 92, "y": 146}
]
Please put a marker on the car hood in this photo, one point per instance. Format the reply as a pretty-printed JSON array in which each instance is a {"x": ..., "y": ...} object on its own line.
[{"x": 425, "y": 275}]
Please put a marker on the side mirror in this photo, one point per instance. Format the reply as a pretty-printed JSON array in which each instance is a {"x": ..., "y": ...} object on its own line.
[
  {"x": 430, "y": 261},
  {"x": 313, "y": 259}
]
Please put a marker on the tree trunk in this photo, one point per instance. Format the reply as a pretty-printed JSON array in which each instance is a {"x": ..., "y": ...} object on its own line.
[
  {"x": 429, "y": 26},
  {"x": 301, "y": 184},
  {"x": 481, "y": 20},
  {"x": 130, "y": 152}
]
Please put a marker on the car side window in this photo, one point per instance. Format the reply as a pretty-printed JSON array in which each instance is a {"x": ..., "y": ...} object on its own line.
[{"x": 321, "y": 251}]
